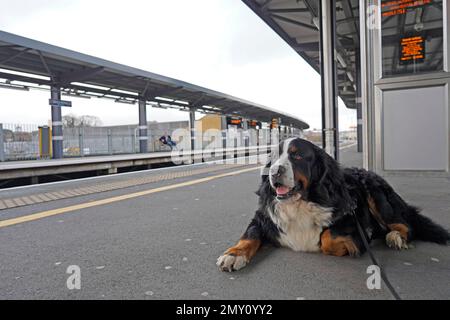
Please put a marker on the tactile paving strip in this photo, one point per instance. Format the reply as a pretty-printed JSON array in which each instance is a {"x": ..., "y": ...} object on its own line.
[{"x": 71, "y": 193}]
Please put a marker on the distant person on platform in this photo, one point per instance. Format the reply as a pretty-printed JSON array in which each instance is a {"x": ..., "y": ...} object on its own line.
[
  {"x": 171, "y": 143},
  {"x": 168, "y": 142}
]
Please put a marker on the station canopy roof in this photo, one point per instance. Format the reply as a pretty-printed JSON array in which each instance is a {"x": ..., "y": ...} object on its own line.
[
  {"x": 296, "y": 22},
  {"x": 25, "y": 62}
]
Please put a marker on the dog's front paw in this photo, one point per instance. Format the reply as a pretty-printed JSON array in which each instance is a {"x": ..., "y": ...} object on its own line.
[
  {"x": 238, "y": 256},
  {"x": 231, "y": 262}
]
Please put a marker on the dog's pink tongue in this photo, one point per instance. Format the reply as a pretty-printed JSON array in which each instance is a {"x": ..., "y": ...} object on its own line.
[{"x": 282, "y": 190}]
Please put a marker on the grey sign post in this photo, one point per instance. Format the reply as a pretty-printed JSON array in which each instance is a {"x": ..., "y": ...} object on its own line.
[
  {"x": 143, "y": 127},
  {"x": 57, "y": 128}
]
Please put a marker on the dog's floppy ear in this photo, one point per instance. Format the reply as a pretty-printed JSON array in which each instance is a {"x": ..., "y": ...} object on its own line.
[
  {"x": 319, "y": 171},
  {"x": 320, "y": 179},
  {"x": 329, "y": 183}
]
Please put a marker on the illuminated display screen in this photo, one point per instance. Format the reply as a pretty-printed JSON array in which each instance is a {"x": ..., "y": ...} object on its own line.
[
  {"x": 239, "y": 122},
  {"x": 412, "y": 49},
  {"x": 254, "y": 124},
  {"x": 393, "y": 8},
  {"x": 412, "y": 36},
  {"x": 234, "y": 121},
  {"x": 274, "y": 124}
]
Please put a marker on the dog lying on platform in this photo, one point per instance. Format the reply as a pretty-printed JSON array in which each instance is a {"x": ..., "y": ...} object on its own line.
[{"x": 307, "y": 203}]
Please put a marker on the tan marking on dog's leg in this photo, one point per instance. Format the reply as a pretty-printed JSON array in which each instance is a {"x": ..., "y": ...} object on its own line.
[
  {"x": 374, "y": 211},
  {"x": 398, "y": 237},
  {"x": 400, "y": 227},
  {"x": 239, "y": 255},
  {"x": 337, "y": 246}
]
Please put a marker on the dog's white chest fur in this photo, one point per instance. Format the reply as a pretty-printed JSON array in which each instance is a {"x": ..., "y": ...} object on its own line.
[{"x": 301, "y": 223}]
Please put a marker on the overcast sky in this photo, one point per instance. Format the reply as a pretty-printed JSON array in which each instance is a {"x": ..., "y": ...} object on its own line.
[{"x": 218, "y": 44}]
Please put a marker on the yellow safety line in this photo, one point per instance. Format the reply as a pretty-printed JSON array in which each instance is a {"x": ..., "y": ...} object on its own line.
[{"x": 49, "y": 213}]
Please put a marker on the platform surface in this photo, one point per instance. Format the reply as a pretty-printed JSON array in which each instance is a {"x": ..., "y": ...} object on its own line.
[{"x": 163, "y": 244}]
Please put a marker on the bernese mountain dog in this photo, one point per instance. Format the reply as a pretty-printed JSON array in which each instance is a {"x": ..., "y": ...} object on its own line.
[{"x": 307, "y": 202}]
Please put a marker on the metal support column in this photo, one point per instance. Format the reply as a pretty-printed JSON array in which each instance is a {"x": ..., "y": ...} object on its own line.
[
  {"x": 57, "y": 125},
  {"x": 280, "y": 135},
  {"x": 366, "y": 70},
  {"x": 224, "y": 127},
  {"x": 246, "y": 137},
  {"x": 2, "y": 144},
  {"x": 81, "y": 141},
  {"x": 143, "y": 129},
  {"x": 359, "y": 131},
  {"x": 330, "y": 130},
  {"x": 358, "y": 101},
  {"x": 245, "y": 132},
  {"x": 192, "y": 127},
  {"x": 110, "y": 142},
  {"x": 133, "y": 143}
]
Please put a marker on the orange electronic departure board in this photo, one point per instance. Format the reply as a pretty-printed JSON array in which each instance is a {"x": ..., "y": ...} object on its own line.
[
  {"x": 234, "y": 121},
  {"x": 412, "y": 36},
  {"x": 254, "y": 124},
  {"x": 274, "y": 124},
  {"x": 412, "y": 49},
  {"x": 397, "y": 7}
]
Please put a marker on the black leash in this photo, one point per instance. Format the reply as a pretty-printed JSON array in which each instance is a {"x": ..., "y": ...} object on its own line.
[{"x": 364, "y": 237}]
